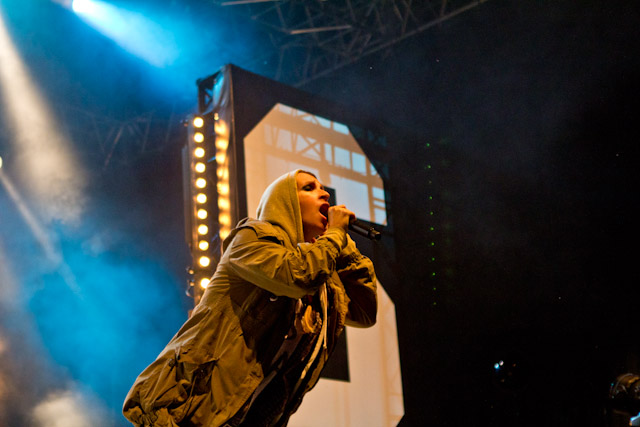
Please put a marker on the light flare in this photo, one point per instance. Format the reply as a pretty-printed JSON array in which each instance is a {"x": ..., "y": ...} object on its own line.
[
  {"x": 68, "y": 408},
  {"x": 131, "y": 30},
  {"x": 44, "y": 157},
  {"x": 52, "y": 253}
]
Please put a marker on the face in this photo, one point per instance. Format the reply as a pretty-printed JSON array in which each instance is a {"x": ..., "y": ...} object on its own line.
[{"x": 314, "y": 204}]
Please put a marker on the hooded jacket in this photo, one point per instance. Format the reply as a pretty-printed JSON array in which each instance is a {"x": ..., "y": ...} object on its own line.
[{"x": 246, "y": 330}]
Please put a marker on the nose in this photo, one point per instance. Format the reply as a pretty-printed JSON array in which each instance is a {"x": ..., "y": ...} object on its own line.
[{"x": 324, "y": 195}]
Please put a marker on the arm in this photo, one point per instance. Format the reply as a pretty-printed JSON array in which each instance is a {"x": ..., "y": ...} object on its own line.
[
  {"x": 359, "y": 280},
  {"x": 260, "y": 259}
]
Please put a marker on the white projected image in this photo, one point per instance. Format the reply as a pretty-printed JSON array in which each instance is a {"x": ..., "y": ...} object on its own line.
[{"x": 288, "y": 139}]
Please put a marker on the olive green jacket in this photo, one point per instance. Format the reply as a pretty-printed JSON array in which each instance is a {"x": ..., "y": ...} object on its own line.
[{"x": 226, "y": 348}]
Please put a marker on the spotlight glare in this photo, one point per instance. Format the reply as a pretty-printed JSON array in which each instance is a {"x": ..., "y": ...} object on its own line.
[
  {"x": 82, "y": 6},
  {"x": 135, "y": 32}
]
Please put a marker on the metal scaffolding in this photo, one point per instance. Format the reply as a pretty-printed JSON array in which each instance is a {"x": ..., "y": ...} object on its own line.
[
  {"x": 120, "y": 141},
  {"x": 313, "y": 38}
]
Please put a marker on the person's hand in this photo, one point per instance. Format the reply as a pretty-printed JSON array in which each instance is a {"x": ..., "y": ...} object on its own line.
[{"x": 340, "y": 216}]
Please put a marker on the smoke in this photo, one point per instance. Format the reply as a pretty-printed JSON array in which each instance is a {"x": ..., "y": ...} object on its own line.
[
  {"x": 97, "y": 335},
  {"x": 47, "y": 164},
  {"x": 69, "y": 408}
]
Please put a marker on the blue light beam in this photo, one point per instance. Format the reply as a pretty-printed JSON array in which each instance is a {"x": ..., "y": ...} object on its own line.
[{"x": 132, "y": 31}]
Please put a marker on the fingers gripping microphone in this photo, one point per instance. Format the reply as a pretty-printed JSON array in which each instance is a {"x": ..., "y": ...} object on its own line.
[
  {"x": 355, "y": 225},
  {"x": 364, "y": 230}
]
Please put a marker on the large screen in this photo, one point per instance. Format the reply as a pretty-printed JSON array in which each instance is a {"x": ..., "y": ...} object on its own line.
[{"x": 286, "y": 139}]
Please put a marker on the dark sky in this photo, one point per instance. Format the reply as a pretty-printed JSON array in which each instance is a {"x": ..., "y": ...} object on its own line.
[{"x": 529, "y": 110}]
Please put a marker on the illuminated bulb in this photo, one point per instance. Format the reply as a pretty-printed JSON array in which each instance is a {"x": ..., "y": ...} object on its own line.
[
  {"x": 223, "y": 188},
  {"x": 201, "y": 182},
  {"x": 223, "y": 173},
  {"x": 220, "y": 128},
  {"x": 198, "y": 137},
  {"x": 220, "y": 158},
  {"x": 204, "y": 261},
  {"x": 202, "y": 213},
  {"x": 204, "y": 283},
  {"x": 199, "y": 152},
  {"x": 200, "y": 167},
  {"x": 203, "y": 229},
  {"x": 222, "y": 143},
  {"x": 203, "y": 245},
  {"x": 224, "y": 219},
  {"x": 198, "y": 122},
  {"x": 202, "y": 198},
  {"x": 216, "y": 116},
  {"x": 224, "y": 233},
  {"x": 223, "y": 203}
]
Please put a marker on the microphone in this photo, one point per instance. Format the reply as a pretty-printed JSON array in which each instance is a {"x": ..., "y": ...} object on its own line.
[{"x": 364, "y": 230}]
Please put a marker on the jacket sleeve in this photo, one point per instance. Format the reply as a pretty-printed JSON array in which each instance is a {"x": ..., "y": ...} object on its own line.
[
  {"x": 259, "y": 258},
  {"x": 359, "y": 280}
]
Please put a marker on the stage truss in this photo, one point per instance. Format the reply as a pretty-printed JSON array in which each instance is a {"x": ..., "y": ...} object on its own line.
[{"x": 313, "y": 38}]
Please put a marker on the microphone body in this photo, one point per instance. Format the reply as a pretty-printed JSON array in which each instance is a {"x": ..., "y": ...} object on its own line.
[{"x": 364, "y": 230}]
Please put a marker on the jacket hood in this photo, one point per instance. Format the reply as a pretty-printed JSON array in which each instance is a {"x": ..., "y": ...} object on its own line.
[{"x": 280, "y": 206}]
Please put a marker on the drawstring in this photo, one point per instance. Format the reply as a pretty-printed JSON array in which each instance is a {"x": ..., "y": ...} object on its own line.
[
  {"x": 322, "y": 339},
  {"x": 325, "y": 303}
]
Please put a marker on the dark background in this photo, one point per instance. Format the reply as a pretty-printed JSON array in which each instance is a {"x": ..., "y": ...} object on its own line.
[
  {"x": 525, "y": 120},
  {"x": 519, "y": 149}
]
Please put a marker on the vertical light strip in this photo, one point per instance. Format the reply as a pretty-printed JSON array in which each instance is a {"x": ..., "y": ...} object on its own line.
[
  {"x": 200, "y": 196},
  {"x": 222, "y": 161}
]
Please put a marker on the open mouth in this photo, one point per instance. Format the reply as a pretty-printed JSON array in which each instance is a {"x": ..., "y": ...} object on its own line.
[{"x": 324, "y": 211}]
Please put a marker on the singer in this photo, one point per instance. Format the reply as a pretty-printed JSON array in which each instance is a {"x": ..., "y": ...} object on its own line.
[{"x": 287, "y": 284}]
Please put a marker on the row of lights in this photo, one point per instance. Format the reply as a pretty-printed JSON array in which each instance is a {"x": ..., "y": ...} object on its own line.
[
  {"x": 432, "y": 243},
  {"x": 201, "y": 197},
  {"x": 205, "y": 224},
  {"x": 222, "y": 172}
]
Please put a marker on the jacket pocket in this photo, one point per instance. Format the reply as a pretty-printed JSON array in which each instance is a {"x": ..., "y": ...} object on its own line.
[{"x": 194, "y": 378}]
